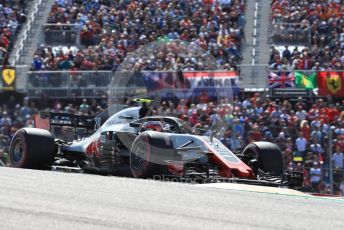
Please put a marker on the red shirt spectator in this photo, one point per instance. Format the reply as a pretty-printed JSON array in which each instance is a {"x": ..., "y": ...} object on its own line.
[
  {"x": 4, "y": 41},
  {"x": 332, "y": 113},
  {"x": 340, "y": 143}
]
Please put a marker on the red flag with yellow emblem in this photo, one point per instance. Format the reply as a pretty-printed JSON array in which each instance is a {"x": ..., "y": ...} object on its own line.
[{"x": 331, "y": 83}]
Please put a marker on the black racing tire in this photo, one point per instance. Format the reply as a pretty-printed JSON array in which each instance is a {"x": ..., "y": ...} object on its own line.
[
  {"x": 141, "y": 165},
  {"x": 32, "y": 148},
  {"x": 265, "y": 156}
]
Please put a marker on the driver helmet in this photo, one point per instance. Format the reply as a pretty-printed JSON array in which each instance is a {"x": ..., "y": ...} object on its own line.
[{"x": 152, "y": 125}]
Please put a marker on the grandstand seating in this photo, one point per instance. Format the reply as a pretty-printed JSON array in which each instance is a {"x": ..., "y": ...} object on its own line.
[
  {"x": 111, "y": 29},
  {"x": 12, "y": 16},
  {"x": 325, "y": 19}
]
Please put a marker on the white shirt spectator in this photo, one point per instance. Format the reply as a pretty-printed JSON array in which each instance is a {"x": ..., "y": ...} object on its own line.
[
  {"x": 338, "y": 160},
  {"x": 301, "y": 143},
  {"x": 315, "y": 175},
  {"x": 316, "y": 148},
  {"x": 13, "y": 24},
  {"x": 246, "y": 103},
  {"x": 339, "y": 131},
  {"x": 302, "y": 115},
  {"x": 315, "y": 123},
  {"x": 259, "y": 110},
  {"x": 276, "y": 114},
  {"x": 284, "y": 116},
  {"x": 316, "y": 134},
  {"x": 5, "y": 120},
  {"x": 325, "y": 128}
]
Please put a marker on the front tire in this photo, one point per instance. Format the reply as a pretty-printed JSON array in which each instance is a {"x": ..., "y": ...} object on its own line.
[
  {"x": 265, "y": 156},
  {"x": 140, "y": 158},
  {"x": 32, "y": 148}
]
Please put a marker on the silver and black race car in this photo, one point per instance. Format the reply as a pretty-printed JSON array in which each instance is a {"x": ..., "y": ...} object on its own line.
[{"x": 150, "y": 147}]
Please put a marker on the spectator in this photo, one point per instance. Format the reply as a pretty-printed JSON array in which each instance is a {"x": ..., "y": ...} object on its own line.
[
  {"x": 281, "y": 141},
  {"x": 286, "y": 54},
  {"x": 315, "y": 174},
  {"x": 5, "y": 119},
  {"x": 316, "y": 135},
  {"x": 182, "y": 109},
  {"x": 37, "y": 63},
  {"x": 317, "y": 149},
  {"x": 301, "y": 113},
  {"x": 338, "y": 159},
  {"x": 339, "y": 130},
  {"x": 313, "y": 112},
  {"x": 84, "y": 107},
  {"x": 305, "y": 129},
  {"x": 332, "y": 113},
  {"x": 214, "y": 117},
  {"x": 340, "y": 143},
  {"x": 301, "y": 144},
  {"x": 236, "y": 142},
  {"x": 25, "y": 109}
]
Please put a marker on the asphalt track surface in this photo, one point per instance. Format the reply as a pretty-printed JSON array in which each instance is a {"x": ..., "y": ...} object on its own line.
[{"x": 32, "y": 199}]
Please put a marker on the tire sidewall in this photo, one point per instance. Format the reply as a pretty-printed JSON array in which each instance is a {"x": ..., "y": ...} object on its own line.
[
  {"x": 38, "y": 149},
  {"x": 22, "y": 136},
  {"x": 146, "y": 170}
]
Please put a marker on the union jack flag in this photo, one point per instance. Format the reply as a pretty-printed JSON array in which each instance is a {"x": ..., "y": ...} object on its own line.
[{"x": 281, "y": 80}]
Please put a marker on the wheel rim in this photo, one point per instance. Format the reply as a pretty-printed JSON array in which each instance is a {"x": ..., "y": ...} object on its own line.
[
  {"x": 18, "y": 151},
  {"x": 139, "y": 156}
]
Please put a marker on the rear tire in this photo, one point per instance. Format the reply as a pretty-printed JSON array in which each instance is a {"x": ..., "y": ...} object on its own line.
[
  {"x": 265, "y": 156},
  {"x": 32, "y": 148}
]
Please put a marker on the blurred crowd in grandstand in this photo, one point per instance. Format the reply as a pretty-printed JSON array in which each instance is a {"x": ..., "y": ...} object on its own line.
[
  {"x": 324, "y": 20},
  {"x": 109, "y": 30},
  {"x": 12, "y": 16},
  {"x": 300, "y": 129}
]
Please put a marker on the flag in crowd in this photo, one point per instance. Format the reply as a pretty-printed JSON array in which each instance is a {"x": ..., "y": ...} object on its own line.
[
  {"x": 305, "y": 80},
  {"x": 281, "y": 80},
  {"x": 331, "y": 83}
]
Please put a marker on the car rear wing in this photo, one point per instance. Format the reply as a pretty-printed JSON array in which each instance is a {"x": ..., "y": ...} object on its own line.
[{"x": 66, "y": 126}]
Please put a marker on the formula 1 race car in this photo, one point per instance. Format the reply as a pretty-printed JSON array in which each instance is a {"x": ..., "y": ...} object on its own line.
[{"x": 150, "y": 147}]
